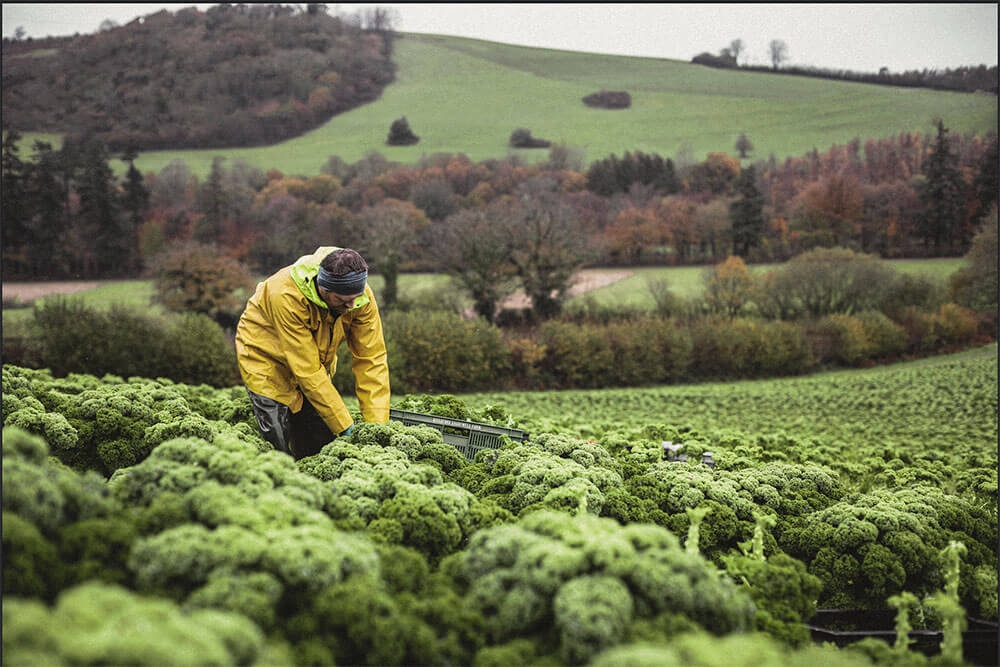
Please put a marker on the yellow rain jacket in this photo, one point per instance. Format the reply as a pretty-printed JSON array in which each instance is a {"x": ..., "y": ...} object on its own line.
[{"x": 287, "y": 340}]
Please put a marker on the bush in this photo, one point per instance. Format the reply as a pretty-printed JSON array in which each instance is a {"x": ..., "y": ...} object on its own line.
[
  {"x": 647, "y": 351},
  {"x": 885, "y": 337},
  {"x": 747, "y": 348},
  {"x": 826, "y": 281},
  {"x": 443, "y": 352},
  {"x": 609, "y": 99},
  {"x": 955, "y": 324},
  {"x": 199, "y": 352},
  {"x": 577, "y": 356},
  {"x": 636, "y": 359},
  {"x": 840, "y": 339},
  {"x": 913, "y": 290},
  {"x": 400, "y": 133},
  {"x": 69, "y": 337},
  {"x": 521, "y": 138},
  {"x": 975, "y": 285},
  {"x": 921, "y": 335},
  {"x": 197, "y": 278}
]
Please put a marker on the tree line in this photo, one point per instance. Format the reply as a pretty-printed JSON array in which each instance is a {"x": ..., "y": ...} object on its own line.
[
  {"x": 497, "y": 225},
  {"x": 233, "y": 75},
  {"x": 969, "y": 79}
]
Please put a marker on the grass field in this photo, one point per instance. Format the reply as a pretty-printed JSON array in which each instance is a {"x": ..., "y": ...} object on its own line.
[
  {"x": 685, "y": 281},
  {"x": 689, "y": 281},
  {"x": 467, "y": 96}
]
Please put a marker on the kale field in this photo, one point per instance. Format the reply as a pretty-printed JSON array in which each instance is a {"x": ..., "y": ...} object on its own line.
[{"x": 145, "y": 522}]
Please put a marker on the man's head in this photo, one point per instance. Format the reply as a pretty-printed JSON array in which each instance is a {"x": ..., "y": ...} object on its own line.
[{"x": 342, "y": 277}]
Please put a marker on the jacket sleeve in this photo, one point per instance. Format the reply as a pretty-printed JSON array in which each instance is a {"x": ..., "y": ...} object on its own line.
[
  {"x": 303, "y": 360},
  {"x": 369, "y": 362}
]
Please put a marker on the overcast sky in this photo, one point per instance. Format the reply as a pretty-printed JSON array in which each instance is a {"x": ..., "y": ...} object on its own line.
[{"x": 860, "y": 37}]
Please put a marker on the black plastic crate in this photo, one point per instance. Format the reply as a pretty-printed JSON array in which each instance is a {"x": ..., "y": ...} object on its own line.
[
  {"x": 468, "y": 437},
  {"x": 846, "y": 626}
]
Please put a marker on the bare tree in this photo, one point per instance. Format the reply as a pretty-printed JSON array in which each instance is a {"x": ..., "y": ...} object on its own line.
[
  {"x": 474, "y": 248},
  {"x": 736, "y": 48},
  {"x": 779, "y": 52},
  {"x": 547, "y": 244}
]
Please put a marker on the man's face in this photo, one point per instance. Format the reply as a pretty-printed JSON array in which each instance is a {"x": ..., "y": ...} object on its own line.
[{"x": 337, "y": 301}]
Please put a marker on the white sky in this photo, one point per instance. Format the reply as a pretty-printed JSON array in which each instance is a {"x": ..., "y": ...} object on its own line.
[{"x": 862, "y": 37}]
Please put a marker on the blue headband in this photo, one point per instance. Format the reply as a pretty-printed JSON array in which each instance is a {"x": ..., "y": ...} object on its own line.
[{"x": 347, "y": 284}]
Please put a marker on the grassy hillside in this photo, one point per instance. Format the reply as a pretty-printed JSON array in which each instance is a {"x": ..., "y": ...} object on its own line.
[{"x": 467, "y": 96}]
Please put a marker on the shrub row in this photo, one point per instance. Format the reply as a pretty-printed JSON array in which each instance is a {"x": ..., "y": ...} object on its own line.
[
  {"x": 69, "y": 337},
  {"x": 443, "y": 352},
  {"x": 439, "y": 351}
]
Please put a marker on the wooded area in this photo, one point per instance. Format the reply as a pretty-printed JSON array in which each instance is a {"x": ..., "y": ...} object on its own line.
[{"x": 233, "y": 75}]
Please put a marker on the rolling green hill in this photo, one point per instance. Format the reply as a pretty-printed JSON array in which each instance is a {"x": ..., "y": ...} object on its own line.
[{"x": 467, "y": 96}]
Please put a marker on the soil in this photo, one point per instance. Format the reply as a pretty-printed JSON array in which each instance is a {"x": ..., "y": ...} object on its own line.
[{"x": 586, "y": 280}]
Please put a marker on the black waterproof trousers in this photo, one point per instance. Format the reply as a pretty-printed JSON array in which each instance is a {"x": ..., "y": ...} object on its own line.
[{"x": 301, "y": 434}]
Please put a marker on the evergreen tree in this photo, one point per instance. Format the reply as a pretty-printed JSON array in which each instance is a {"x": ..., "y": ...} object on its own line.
[
  {"x": 943, "y": 215},
  {"x": 114, "y": 246},
  {"x": 135, "y": 200},
  {"x": 746, "y": 214},
  {"x": 48, "y": 203},
  {"x": 667, "y": 182},
  {"x": 212, "y": 202},
  {"x": 16, "y": 211}
]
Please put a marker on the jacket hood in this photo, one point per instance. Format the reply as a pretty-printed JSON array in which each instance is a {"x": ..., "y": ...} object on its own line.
[{"x": 304, "y": 272}]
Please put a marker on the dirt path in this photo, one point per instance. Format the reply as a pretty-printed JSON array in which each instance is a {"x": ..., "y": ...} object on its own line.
[
  {"x": 585, "y": 281},
  {"x": 29, "y": 291}
]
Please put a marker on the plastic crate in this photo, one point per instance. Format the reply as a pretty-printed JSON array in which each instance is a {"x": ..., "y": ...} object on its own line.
[
  {"x": 846, "y": 626},
  {"x": 468, "y": 437}
]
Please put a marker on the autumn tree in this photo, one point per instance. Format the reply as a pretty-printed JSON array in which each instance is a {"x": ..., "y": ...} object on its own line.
[
  {"x": 677, "y": 219},
  {"x": 985, "y": 182},
  {"x": 712, "y": 228},
  {"x": 715, "y": 175},
  {"x": 193, "y": 277},
  {"x": 389, "y": 231},
  {"x": 831, "y": 209},
  {"x": 888, "y": 217},
  {"x": 729, "y": 287},
  {"x": 746, "y": 214},
  {"x": 634, "y": 231}
]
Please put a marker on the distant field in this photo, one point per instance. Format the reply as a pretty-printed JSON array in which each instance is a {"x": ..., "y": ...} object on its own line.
[
  {"x": 685, "y": 281},
  {"x": 467, "y": 96},
  {"x": 688, "y": 281}
]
